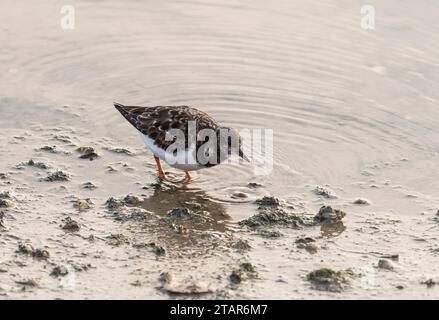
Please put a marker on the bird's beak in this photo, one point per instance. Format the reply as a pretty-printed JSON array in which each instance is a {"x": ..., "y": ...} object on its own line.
[{"x": 243, "y": 156}]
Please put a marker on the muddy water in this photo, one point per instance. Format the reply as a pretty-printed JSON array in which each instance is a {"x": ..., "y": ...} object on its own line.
[{"x": 352, "y": 110}]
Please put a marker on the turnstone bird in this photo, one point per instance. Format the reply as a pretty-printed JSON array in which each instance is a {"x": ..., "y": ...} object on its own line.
[{"x": 195, "y": 148}]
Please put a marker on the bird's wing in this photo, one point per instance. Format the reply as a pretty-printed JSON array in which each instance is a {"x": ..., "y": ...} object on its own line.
[{"x": 154, "y": 122}]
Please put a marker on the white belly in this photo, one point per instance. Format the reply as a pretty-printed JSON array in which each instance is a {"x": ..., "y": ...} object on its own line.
[{"x": 183, "y": 160}]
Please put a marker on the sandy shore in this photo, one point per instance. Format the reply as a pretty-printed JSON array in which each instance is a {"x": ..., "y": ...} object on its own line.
[{"x": 350, "y": 209}]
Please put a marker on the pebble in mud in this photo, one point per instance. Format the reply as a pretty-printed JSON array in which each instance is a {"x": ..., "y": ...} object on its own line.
[
  {"x": 385, "y": 264},
  {"x": 361, "y": 201},
  {"x": 70, "y": 225},
  {"x": 83, "y": 204},
  {"x": 328, "y": 215},
  {"x": 326, "y": 279},
  {"x": 245, "y": 272}
]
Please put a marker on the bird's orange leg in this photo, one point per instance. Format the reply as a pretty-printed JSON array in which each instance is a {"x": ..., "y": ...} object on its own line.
[
  {"x": 159, "y": 168},
  {"x": 188, "y": 175}
]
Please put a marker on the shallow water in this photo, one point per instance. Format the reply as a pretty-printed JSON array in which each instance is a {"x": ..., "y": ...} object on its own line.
[{"x": 351, "y": 109}]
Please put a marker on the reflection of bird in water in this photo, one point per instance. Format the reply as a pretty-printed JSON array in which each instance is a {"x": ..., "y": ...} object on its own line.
[{"x": 204, "y": 213}]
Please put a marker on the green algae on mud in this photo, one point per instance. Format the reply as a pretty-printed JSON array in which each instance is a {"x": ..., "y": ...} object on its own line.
[
  {"x": 70, "y": 225},
  {"x": 326, "y": 279},
  {"x": 274, "y": 212},
  {"x": 245, "y": 272},
  {"x": 83, "y": 204}
]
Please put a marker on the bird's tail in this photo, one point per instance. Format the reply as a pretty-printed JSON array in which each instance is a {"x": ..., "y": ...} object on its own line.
[{"x": 118, "y": 106}]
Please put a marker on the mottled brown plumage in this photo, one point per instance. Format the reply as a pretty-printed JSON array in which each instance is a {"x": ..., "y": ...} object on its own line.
[
  {"x": 154, "y": 122},
  {"x": 190, "y": 153}
]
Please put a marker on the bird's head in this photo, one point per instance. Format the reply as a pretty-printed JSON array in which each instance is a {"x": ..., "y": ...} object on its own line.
[{"x": 230, "y": 142}]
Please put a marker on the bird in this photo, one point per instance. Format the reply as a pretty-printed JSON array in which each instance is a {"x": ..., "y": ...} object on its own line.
[{"x": 159, "y": 125}]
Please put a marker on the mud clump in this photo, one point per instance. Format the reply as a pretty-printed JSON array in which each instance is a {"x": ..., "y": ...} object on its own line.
[
  {"x": 241, "y": 245},
  {"x": 307, "y": 243},
  {"x": 28, "y": 249},
  {"x": 117, "y": 240},
  {"x": 268, "y": 201},
  {"x": 83, "y": 204},
  {"x": 430, "y": 283},
  {"x": 328, "y": 215},
  {"x": 59, "y": 271},
  {"x": 254, "y": 185},
  {"x": 32, "y": 163},
  {"x": 6, "y": 200},
  {"x": 184, "y": 214},
  {"x": 89, "y": 186},
  {"x": 273, "y": 211},
  {"x": 2, "y": 223},
  {"x": 326, "y": 279},
  {"x": 324, "y": 192},
  {"x": 113, "y": 203},
  {"x": 70, "y": 225},
  {"x": 245, "y": 272},
  {"x": 269, "y": 234},
  {"x": 156, "y": 248},
  {"x": 87, "y": 153},
  {"x": 133, "y": 199},
  {"x": 121, "y": 151},
  {"x": 27, "y": 282},
  {"x": 50, "y": 149},
  {"x": 57, "y": 176},
  {"x": 239, "y": 195}
]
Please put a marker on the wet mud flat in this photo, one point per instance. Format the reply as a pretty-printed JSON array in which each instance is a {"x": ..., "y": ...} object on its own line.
[
  {"x": 349, "y": 209},
  {"x": 81, "y": 216}
]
